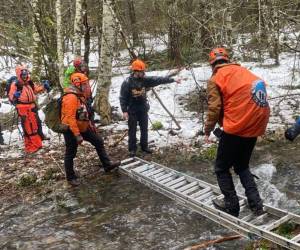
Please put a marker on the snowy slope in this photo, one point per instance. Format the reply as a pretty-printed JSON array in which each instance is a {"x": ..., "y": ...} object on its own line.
[{"x": 283, "y": 109}]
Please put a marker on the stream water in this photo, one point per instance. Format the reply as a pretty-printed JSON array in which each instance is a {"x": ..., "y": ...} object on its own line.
[{"x": 114, "y": 212}]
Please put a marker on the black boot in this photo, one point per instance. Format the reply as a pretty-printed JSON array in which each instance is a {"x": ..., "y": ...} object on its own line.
[
  {"x": 132, "y": 153},
  {"x": 220, "y": 204},
  {"x": 1, "y": 139},
  {"x": 147, "y": 150},
  {"x": 74, "y": 182},
  {"x": 231, "y": 201},
  {"x": 111, "y": 165},
  {"x": 254, "y": 201}
]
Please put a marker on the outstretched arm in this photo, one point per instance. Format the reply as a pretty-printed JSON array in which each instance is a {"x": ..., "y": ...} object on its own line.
[{"x": 152, "y": 81}]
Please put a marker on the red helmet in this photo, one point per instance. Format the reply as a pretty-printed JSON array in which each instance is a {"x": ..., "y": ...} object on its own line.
[
  {"x": 218, "y": 54},
  {"x": 138, "y": 65},
  {"x": 77, "y": 62}
]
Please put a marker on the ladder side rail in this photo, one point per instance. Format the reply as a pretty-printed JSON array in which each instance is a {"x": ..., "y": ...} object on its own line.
[
  {"x": 275, "y": 211},
  {"x": 226, "y": 217}
]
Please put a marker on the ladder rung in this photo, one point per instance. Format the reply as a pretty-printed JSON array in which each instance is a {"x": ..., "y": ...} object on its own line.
[
  {"x": 131, "y": 164},
  {"x": 158, "y": 175},
  {"x": 174, "y": 181},
  {"x": 209, "y": 202},
  {"x": 259, "y": 218},
  {"x": 140, "y": 168},
  {"x": 167, "y": 179},
  {"x": 163, "y": 177},
  {"x": 178, "y": 184},
  {"x": 195, "y": 195},
  {"x": 296, "y": 238},
  {"x": 154, "y": 172},
  {"x": 248, "y": 217},
  {"x": 204, "y": 196},
  {"x": 149, "y": 169},
  {"x": 277, "y": 223},
  {"x": 192, "y": 184},
  {"x": 127, "y": 160},
  {"x": 186, "y": 192},
  {"x": 242, "y": 202},
  {"x": 242, "y": 208}
]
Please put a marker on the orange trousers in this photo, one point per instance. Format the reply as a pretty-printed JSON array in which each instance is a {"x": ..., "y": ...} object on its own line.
[{"x": 32, "y": 140}]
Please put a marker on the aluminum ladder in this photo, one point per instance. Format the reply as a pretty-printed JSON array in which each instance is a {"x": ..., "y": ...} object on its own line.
[{"x": 198, "y": 196}]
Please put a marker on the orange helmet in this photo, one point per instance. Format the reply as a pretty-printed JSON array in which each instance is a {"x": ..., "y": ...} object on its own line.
[
  {"x": 78, "y": 79},
  {"x": 138, "y": 65},
  {"x": 218, "y": 54}
]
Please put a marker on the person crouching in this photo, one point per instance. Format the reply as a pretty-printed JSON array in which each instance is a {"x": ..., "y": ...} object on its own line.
[{"x": 75, "y": 115}]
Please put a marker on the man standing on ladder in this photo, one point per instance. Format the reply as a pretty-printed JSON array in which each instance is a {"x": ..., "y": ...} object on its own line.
[
  {"x": 135, "y": 106},
  {"x": 237, "y": 99}
]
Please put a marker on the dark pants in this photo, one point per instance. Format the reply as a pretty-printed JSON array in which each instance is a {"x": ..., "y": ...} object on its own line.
[
  {"x": 39, "y": 123},
  {"x": 235, "y": 151},
  {"x": 141, "y": 117},
  {"x": 1, "y": 136},
  {"x": 71, "y": 150}
]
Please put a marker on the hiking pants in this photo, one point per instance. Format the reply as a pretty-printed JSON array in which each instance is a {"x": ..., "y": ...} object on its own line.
[
  {"x": 29, "y": 124},
  {"x": 71, "y": 150},
  {"x": 1, "y": 136},
  {"x": 235, "y": 151},
  {"x": 39, "y": 122},
  {"x": 141, "y": 117}
]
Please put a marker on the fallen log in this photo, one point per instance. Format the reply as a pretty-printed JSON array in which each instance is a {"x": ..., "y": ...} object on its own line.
[{"x": 212, "y": 242}]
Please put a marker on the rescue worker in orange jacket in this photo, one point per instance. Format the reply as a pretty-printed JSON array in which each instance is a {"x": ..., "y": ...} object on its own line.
[
  {"x": 237, "y": 99},
  {"x": 75, "y": 115},
  {"x": 22, "y": 94},
  {"x": 81, "y": 67}
]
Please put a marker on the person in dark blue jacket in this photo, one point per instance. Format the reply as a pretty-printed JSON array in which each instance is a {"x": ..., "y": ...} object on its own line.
[{"x": 135, "y": 106}]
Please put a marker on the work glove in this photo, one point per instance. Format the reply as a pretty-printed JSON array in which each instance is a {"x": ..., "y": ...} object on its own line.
[
  {"x": 17, "y": 94},
  {"x": 46, "y": 85},
  {"x": 79, "y": 139}
]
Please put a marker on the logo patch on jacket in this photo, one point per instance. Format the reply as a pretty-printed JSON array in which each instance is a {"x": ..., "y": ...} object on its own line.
[
  {"x": 259, "y": 93},
  {"x": 137, "y": 92}
]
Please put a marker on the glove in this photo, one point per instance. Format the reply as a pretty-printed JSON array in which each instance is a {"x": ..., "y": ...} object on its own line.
[
  {"x": 46, "y": 85},
  {"x": 292, "y": 132},
  {"x": 17, "y": 94},
  {"x": 79, "y": 139}
]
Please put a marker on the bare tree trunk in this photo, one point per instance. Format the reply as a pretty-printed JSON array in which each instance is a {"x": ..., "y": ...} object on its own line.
[
  {"x": 174, "y": 35},
  {"x": 87, "y": 36},
  {"x": 132, "y": 17},
  {"x": 228, "y": 21},
  {"x": 60, "y": 53},
  {"x": 77, "y": 28},
  {"x": 105, "y": 73},
  {"x": 99, "y": 30},
  {"x": 36, "y": 46}
]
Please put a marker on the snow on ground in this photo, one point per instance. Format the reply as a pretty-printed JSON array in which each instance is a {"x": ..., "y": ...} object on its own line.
[{"x": 278, "y": 78}]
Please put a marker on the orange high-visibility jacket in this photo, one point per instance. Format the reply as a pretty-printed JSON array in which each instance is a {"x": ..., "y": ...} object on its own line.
[
  {"x": 239, "y": 98},
  {"x": 70, "y": 104}
]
